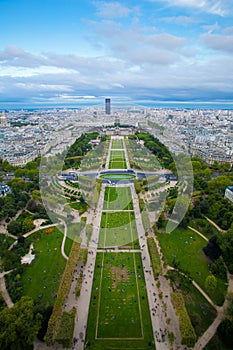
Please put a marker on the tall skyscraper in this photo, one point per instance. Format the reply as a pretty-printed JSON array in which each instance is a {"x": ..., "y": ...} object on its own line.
[{"x": 108, "y": 106}]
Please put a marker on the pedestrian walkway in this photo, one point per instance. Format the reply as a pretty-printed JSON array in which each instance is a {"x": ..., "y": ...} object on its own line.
[{"x": 4, "y": 291}]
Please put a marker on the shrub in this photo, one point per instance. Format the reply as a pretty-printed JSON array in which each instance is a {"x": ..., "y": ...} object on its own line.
[
  {"x": 187, "y": 332},
  {"x": 154, "y": 256},
  {"x": 66, "y": 328}
]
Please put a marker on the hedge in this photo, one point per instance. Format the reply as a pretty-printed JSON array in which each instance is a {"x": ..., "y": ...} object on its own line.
[
  {"x": 154, "y": 257},
  {"x": 66, "y": 328},
  {"x": 188, "y": 335}
]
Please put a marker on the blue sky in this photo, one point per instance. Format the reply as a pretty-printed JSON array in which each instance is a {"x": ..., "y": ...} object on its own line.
[{"x": 71, "y": 51}]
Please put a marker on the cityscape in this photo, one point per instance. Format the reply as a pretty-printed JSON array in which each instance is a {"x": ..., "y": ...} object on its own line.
[
  {"x": 206, "y": 133},
  {"x": 116, "y": 181},
  {"x": 107, "y": 186}
]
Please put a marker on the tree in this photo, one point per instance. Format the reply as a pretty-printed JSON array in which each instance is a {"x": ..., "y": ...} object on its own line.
[
  {"x": 14, "y": 227},
  {"x": 211, "y": 282},
  {"x": 212, "y": 250},
  {"x": 19, "y": 325},
  {"x": 219, "y": 184},
  {"x": 225, "y": 329},
  {"x": 27, "y": 225},
  {"x": 225, "y": 241}
]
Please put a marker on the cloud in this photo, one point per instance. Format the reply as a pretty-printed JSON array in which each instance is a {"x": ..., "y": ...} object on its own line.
[
  {"x": 181, "y": 20},
  {"x": 15, "y": 56},
  {"x": 228, "y": 30},
  {"x": 112, "y": 10},
  {"x": 137, "y": 46},
  {"x": 218, "y": 42},
  {"x": 221, "y": 7},
  {"x": 212, "y": 27}
]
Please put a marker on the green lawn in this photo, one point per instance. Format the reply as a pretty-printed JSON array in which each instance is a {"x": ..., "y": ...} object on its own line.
[
  {"x": 117, "y": 144},
  {"x": 119, "y": 315},
  {"x": 185, "y": 248},
  {"x": 117, "y": 155},
  {"x": 118, "y": 176},
  {"x": 118, "y": 198},
  {"x": 118, "y": 229},
  {"x": 41, "y": 278},
  {"x": 117, "y": 160},
  {"x": 117, "y": 164}
]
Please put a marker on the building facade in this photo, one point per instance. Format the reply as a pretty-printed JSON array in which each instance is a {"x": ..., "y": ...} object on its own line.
[
  {"x": 229, "y": 193},
  {"x": 108, "y": 106}
]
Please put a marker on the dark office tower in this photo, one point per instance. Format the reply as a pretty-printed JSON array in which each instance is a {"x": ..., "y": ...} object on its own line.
[{"x": 108, "y": 106}]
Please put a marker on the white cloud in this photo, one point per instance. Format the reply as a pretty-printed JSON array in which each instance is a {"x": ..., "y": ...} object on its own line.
[
  {"x": 218, "y": 42},
  {"x": 220, "y": 7},
  {"x": 42, "y": 87},
  {"x": 181, "y": 20},
  {"x": 112, "y": 9},
  {"x": 212, "y": 27},
  {"x": 29, "y": 72}
]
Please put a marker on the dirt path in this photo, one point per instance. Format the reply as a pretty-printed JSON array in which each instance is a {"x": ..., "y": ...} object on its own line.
[
  {"x": 199, "y": 233},
  {"x": 215, "y": 225}
]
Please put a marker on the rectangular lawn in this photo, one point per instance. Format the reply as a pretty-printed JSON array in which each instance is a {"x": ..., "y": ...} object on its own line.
[
  {"x": 118, "y": 198},
  {"x": 119, "y": 315},
  {"x": 117, "y": 160},
  {"x": 118, "y": 229},
  {"x": 117, "y": 144}
]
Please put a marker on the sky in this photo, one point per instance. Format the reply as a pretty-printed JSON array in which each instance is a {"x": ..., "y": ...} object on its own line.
[{"x": 71, "y": 52}]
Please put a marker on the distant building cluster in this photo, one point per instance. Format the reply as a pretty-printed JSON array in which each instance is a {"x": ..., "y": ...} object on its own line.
[
  {"x": 27, "y": 134},
  {"x": 207, "y": 134}
]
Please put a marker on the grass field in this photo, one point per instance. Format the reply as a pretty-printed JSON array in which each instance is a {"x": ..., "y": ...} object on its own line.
[
  {"x": 118, "y": 229},
  {"x": 117, "y": 160},
  {"x": 118, "y": 198},
  {"x": 118, "y": 176},
  {"x": 185, "y": 248},
  {"x": 119, "y": 315},
  {"x": 41, "y": 278},
  {"x": 117, "y": 144}
]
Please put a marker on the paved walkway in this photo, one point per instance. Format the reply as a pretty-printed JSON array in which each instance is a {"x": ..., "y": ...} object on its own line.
[
  {"x": 156, "y": 305},
  {"x": 4, "y": 291},
  {"x": 64, "y": 240},
  {"x": 83, "y": 302}
]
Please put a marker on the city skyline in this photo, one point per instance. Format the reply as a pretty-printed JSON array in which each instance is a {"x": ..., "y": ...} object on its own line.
[{"x": 67, "y": 53}]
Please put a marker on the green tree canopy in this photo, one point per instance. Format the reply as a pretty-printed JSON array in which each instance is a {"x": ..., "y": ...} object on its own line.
[{"x": 19, "y": 325}]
